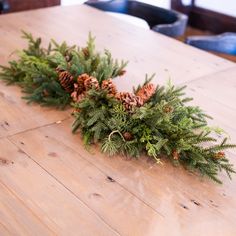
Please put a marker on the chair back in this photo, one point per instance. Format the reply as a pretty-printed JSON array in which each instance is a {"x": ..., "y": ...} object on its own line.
[
  {"x": 161, "y": 20},
  {"x": 222, "y": 43},
  {"x": 4, "y": 6}
]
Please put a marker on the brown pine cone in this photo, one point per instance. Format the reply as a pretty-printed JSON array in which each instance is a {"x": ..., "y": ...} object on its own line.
[
  {"x": 122, "y": 72},
  {"x": 45, "y": 93},
  {"x": 77, "y": 97},
  {"x": 146, "y": 92},
  {"x": 129, "y": 100},
  {"x": 90, "y": 83},
  {"x": 80, "y": 81},
  {"x": 168, "y": 109},
  {"x": 109, "y": 86},
  {"x": 66, "y": 80},
  {"x": 75, "y": 93},
  {"x": 127, "y": 136},
  {"x": 219, "y": 155},
  {"x": 175, "y": 155},
  {"x": 85, "y": 52}
]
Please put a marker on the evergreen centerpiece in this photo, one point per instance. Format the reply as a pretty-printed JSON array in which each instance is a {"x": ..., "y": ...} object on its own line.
[{"x": 153, "y": 120}]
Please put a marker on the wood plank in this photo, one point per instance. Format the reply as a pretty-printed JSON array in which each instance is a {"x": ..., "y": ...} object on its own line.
[
  {"x": 147, "y": 51},
  {"x": 106, "y": 197},
  {"x": 64, "y": 187},
  {"x": 220, "y": 86},
  {"x": 17, "y": 115},
  {"x": 173, "y": 192},
  {"x": 215, "y": 95},
  {"x": 16, "y": 218},
  {"x": 35, "y": 194}
]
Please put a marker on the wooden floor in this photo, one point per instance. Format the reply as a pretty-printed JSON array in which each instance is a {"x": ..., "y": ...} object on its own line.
[{"x": 51, "y": 185}]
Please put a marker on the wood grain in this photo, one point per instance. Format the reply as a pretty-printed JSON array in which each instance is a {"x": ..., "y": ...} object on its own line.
[
  {"x": 147, "y": 51},
  {"x": 91, "y": 184},
  {"x": 221, "y": 87},
  {"x": 35, "y": 194},
  {"x": 17, "y": 116},
  {"x": 142, "y": 178},
  {"x": 51, "y": 185}
]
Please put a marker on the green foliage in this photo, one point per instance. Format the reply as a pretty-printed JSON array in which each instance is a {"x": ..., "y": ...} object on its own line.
[
  {"x": 163, "y": 126},
  {"x": 35, "y": 69}
]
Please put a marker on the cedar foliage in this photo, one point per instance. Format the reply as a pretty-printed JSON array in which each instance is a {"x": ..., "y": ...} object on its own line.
[{"x": 160, "y": 125}]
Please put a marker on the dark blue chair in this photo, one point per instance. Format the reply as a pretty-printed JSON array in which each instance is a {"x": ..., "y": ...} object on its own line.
[
  {"x": 4, "y": 6},
  {"x": 222, "y": 43},
  {"x": 168, "y": 22}
]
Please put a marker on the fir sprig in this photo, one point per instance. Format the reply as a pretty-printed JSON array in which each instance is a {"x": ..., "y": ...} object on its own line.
[
  {"x": 160, "y": 124},
  {"x": 35, "y": 69},
  {"x": 163, "y": 127}
]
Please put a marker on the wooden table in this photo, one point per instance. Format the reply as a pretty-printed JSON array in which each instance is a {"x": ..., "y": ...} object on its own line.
[{"x": 51, "y": 185}]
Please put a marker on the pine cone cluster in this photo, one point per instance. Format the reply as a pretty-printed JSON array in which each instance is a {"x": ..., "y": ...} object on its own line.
[
  {"x": 146, "y": 92},
  {"x": 83, "y": 84},
  {"x": 109, "y": 86},
  {"x": 66, "y": 80},
  {"x": 129, "y": 100}
]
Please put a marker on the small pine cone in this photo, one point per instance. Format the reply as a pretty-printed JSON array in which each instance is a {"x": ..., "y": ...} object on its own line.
[
  {"x": 80, "y": 82},
  {"x": 127, "y": 136},
  {"x": 109, "y": 86},
  {"x": 219, "y": 155},
  {"x": 91, "y": 82},
  {"x": 66, "y": 80},
  {"x": 76, "y": 110},
  {"x": 168, "y": 109},
  {"x": 67, "y": 57},
  {"x": 175, "y": 155},
  {"x": 85, "y": 52},
  {"x": 146, "y": 92},
  {"x": 45, "y": 93},
  {"x": 77, "y": 97},
  {"x": 129, "y": 100},
  {"x": 75, "y": 93},
  {"x": 122, "y": 72}
]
